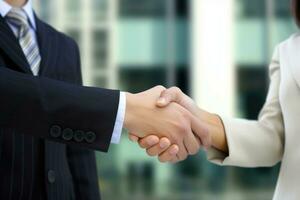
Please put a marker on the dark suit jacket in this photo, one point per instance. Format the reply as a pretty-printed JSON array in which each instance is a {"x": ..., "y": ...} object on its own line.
[{"x": 48, "y": 123}]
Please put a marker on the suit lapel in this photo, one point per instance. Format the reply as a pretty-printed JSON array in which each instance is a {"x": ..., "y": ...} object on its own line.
[
  {"x": 10, "y": 46},
  {"x": 293, "y": 53},
  {"x": 47, "y": 45}
]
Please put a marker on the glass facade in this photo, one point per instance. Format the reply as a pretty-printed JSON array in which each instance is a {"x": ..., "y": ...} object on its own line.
[{"x": 136, "y": 44}]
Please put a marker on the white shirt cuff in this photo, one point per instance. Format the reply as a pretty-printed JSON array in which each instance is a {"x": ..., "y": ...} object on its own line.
[{"x": 117, "y": 132}]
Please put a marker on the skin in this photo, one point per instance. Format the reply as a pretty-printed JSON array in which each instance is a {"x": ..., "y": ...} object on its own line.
[
  {"x": 212, "y": 122},
  {"x": 16, "y": 3},
  {"x": 172, "y": 123}
]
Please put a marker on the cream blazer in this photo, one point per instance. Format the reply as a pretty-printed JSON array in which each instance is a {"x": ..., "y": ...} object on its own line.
[{"x": 275, "y": 136}]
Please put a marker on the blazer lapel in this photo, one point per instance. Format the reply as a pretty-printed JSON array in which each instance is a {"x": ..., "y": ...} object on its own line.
[
  {"x": 11, "y": 47},
  {"x": 293, "y": 54},
  {"x": 47, "y": 45}
]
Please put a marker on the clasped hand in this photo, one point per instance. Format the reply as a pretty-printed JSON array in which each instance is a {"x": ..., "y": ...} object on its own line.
[{"x": 167, "y": 123}]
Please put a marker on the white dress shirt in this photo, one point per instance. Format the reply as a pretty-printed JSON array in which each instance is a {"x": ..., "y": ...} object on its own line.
[{"x": 4, "y": 10}]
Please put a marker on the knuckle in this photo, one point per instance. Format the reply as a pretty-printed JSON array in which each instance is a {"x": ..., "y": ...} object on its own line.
[
  {"x": 181, "y": 127},
  {"x": 165, "y": 142},
  {"x": 160, "y": 87},
  {"x": 176, "y": 90},
  {"x": 186, "y": 130}
]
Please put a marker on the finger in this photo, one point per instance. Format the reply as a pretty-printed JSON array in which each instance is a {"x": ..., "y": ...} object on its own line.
[
  {"x": 163, "y": 145},
  {"x": 183, "y": 153},
  {"x": 133, "y": 137},
  {"x": 191, "y": 143},
  {"x": 172, "y": 94},
  {"x": 169, "y": 154},
  {"x": 148, "y": 141}
]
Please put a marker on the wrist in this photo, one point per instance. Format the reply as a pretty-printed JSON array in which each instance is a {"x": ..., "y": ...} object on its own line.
[
  {"x": 219, "y": 140},
  {"x": 129, "y": 110}
]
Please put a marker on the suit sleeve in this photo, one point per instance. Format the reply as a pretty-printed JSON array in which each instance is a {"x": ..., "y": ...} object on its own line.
[
  {"x": 56, "y": 110},
  {"x": 256, "y": 143},
  {"x": 82, "y": 161}
]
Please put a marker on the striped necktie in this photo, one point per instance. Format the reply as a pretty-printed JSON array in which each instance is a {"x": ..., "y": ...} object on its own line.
[{"x": 18, "y": 18}]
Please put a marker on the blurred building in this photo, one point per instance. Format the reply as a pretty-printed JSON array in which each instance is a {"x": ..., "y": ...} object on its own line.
[{"x": 216, "y": 51}]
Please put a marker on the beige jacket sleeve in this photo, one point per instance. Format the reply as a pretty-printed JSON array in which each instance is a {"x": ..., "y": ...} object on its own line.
[{"x": 256, "y": 143}]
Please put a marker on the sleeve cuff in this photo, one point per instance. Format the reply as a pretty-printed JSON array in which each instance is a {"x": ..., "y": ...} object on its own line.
[{"x": 117, "y": 132}]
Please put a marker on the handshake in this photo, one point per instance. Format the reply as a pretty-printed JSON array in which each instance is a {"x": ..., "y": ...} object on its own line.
[{"x": 168, "y": 124}]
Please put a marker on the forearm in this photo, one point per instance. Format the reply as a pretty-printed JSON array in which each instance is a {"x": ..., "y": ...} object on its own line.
[
  {"x": 215, "y": 129},
  {"x": 45, "y": 108},
  {"x": 218, "y": 133}
]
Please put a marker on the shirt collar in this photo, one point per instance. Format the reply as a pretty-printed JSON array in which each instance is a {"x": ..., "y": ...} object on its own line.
[{"x": 5, "y": 8}]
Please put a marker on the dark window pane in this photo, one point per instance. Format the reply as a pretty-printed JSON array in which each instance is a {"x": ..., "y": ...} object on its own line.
[
  {"x": 151, "y": 8},
  {"x": 144, "y": 8},
  {"x": 100, "y": 82},
  {"x": 100, "y": 8},
  {"x": 75, "y": 34},
  {"x": 252, "y": 8},
  {"x": 182, "y": 8},
  {"x": 100, "y": 49},
  {"x": 45, "y": 10},
  {"x": 139, "y": 78},
  {"x": 257, "y": 8},
  {"x": 282, "y": 8},
  {"x": 252, "y": 82},
  {"x": 73, "y": 11},
  {"x": 182, "y": 78}
]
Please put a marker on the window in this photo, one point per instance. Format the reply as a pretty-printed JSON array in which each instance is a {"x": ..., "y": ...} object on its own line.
[
  {"x": 100, "y": 49},
  {"x": 100, "y": 8},
  {"x": 145, "y": 8}
]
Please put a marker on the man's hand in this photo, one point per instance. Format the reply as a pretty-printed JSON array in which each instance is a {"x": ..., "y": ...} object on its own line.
[
  {"x": 173, "y": 122},
  {"x": 204, "y": 124},
  {"x": 154, "y": 146}
]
